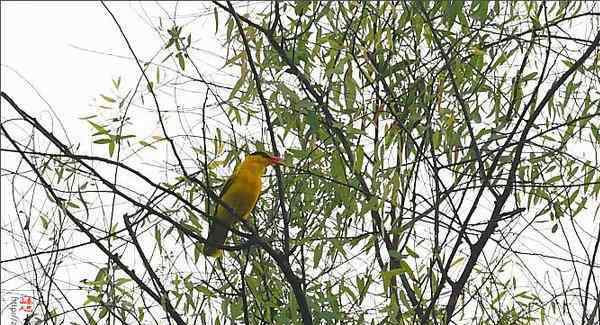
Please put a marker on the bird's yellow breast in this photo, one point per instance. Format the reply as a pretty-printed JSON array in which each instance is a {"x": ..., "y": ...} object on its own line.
[{"x": 241, "y": 196}]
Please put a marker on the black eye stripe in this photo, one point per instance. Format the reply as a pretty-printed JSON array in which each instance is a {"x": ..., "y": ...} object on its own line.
[{"x": 261, "y": 153}]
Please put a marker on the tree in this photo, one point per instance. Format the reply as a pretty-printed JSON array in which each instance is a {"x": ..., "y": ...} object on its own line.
[{"x": 430, "y": 148}]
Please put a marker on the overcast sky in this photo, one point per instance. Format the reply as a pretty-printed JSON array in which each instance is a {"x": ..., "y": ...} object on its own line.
[{"x": 42, "y": 43}]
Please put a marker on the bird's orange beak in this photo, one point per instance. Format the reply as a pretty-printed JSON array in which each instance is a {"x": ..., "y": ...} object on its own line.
[{"x": 276, "y": 160}]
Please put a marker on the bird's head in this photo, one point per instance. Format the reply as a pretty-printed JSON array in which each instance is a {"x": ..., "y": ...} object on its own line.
[{"x": 264, "y": 159}]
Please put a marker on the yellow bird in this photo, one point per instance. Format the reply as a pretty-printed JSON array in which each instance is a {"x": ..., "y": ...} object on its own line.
[{"x": 240, "y": 193}]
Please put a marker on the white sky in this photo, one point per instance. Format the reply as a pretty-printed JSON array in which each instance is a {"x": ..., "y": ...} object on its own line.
[
  {"x": 42, "y": 42},
  {"x": 37, "y": 41}
]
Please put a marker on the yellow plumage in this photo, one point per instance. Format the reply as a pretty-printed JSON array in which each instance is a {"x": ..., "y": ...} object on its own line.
[{"x": 240, "y": 193}]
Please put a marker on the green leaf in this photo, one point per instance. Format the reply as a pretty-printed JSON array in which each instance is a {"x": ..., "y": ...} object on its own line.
[
  {"x": 503, "y": 57},
  {"x": 91, "y": 298},
  {"x": 90, "y": 318},
  {"x": 568, "y": 63},
  {"x": 111, "y": 148},
  {"x": 121, "y": 281},
  {"x": 99, "y": 128},
  {"x": 117, "y": 83},
  {"x": 482, "y": 9},
  {"x": 158, "y": 238},
  {"x": 103, "y": 141},
  {"x": 337, "y": 167},
  {"x": 146, "y": 144},
  {"x": 349, "y": 89},
  {"x": 317, "y": 253},
  {"x": 204, "y": 290},
  {"x": 553, "y": 179},
  {"x": 388, "y": 275},
  {"x": 230, "y": 24},
  {"x": 529, "y": 76},
  {"x": 101, "y": 275},
  {"x": 235, "y": 310},
  {"x": 181, "y": 60},
  {"x": 72, "y": 205},
  {"x": 170, "y": 42},
  {"x": 237, "y": 86},
  {"x": 359, "y": 158},
  {"x": 417, "y": 23},
  {"x": 452, "y": 12},
  {"x": 197, "y": 251},
  {"x": 119, "y": 138},
  {"x": 436, "y": 139},
  {"x": 457, "y": 261},
  {"x": 108, "y": 99},
  {"x": 411, "y": 252},
  {"x": 44, "y": 222},
  {"x": 103, "y": 312}
]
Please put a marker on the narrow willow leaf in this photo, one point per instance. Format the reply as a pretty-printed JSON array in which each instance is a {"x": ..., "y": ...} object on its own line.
[
  {"x": 108, "y": 99},
  {"x": 181, "y": 60},
  {"x": 481, "y": 9}
]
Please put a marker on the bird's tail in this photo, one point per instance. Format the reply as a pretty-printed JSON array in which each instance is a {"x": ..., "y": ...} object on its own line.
[{"x": 216, "y": 236}]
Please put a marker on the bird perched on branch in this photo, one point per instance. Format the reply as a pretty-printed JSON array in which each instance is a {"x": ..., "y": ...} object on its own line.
[{"x": 240, "y": 194}]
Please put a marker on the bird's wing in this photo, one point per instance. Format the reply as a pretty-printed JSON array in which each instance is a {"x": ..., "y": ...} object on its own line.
[
  {"x": 217, "y": 233},
  {"x": 230, "y": 181},
  {"x": 227, "y": 185}
]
